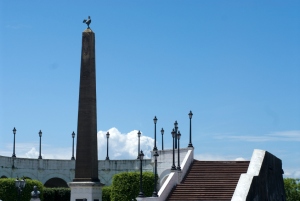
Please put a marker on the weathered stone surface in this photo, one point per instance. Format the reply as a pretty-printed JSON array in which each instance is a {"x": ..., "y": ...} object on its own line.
[
  {"x": 263, "y": 180},
  {"x": 86, "y": 166},
  {"x": 268, "y": 185}
]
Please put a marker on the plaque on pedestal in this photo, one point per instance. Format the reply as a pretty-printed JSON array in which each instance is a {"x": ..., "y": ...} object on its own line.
[{"x": 86, "y": 190}]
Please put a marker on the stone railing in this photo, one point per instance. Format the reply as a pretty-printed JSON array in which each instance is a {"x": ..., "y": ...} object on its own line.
[
  {"x": 264, "y": 175},
  {"x": 174, "y": 177}
]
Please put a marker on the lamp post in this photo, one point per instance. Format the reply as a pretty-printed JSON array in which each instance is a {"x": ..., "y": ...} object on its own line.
[
  {"x": 155, "y": 120},
  {"x": 176, "y": 129},
  {"x": 178, "y": 137},
  {"x": 173, "y": 136},
  {"x": 162, "y": 138},
  {"x": 73, "y": 136},
  {"x": 155, "y": 175},
  {"x": 190, "y": 116},
  {"x": 139, "y": 135},
  {"x": 14, "y": 132},
  {"x": 40, "y": 134},
  {"x": 107, "y": 136},
  {"x": 141, "y": 156},
  {"x": 19, "y": 184}
]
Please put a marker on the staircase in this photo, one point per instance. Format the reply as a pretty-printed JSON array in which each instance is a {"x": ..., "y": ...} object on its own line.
[{"x": 210, "y": 181}]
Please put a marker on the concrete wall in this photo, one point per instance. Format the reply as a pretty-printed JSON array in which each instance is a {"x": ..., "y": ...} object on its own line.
[
  {"x": 45, "y": 169},
  {"x": 176, "y": 177},
  {"x": 263, "y": 180},
  {"x": 40, "y": 169},
  {"x": 165, "y": 161},
  {"x": 108, "y": 168}
]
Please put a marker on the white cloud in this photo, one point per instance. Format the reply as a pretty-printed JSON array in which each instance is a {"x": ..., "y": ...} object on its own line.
[
  {"x": 123, "y": 146},
  {"x": 32, "y": 153},
  {"x": 48, "y": 152},
  {"x": 240, "y": 159},
  {"x": 291, "y": 173},
  {"x": 31, "y": 150},
  {"x": 58, "y": 153},
  {"x": 297, "y": 174},
  {"x": 274, "y": 136},
  {"x": 289, "y": 135},
  {"x": 213, "y": 157}
]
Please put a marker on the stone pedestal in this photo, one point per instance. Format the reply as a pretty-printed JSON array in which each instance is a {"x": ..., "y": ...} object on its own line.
[
  {"x": 34, "y": 199},
  {"x": 91, "y": 191}
]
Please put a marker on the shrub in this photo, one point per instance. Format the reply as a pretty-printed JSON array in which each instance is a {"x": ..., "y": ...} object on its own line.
[
  {"x": 106, "y": 190},
  {"x": 126, "y": 185},
  {"x": 292, "y": 189},
  {"x": 8, "y": 190},
  {"x": 57, "y": 194},
  {"x": 49, "y": 194}
]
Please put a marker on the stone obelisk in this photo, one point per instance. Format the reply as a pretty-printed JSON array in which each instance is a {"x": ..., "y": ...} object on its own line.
[
  {"x": 86, "y": 184},
  {"x": 86, "y": 150}
]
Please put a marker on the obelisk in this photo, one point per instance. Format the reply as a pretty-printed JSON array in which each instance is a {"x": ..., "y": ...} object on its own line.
[{"x": 86, "y": 184}]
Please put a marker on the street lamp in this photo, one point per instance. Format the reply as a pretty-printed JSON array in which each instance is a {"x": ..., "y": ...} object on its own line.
[
  {"x": 19, "y": 184},
  {"x": 73, "y": 136},
  {"x": 176, "y": 129},
  {"x": 40, "y": 134},
  {"x": 190, "y": 116},
  {"x": 173, "y": 136},
  {"x": 107, "y": 136},
  {"x": 178, "y": 137},
  {"x": 162, "y": 138},
  {"x": 139, "y": 135},
  {"x": 155, "y": 120},
  {"x": 155, "y": 174},
  {"x": 141, "y": 156},
  {"x": 14, "y": 132}
]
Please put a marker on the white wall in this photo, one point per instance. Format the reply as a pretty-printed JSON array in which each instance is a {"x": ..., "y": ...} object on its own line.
[{"x": 45, "y": 169}]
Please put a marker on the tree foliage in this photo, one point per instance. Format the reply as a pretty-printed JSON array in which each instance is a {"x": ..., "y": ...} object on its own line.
[
  {"x": 292, "y": 189},
  {"x": 106, "y": 191},
  {"x": 8, "y": 190},
  {"x": 126, "y": 185},
  {"x": 57, "y": 194}
]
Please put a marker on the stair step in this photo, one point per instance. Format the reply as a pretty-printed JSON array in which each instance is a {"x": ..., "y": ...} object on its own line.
[{"x": 210, "y": 181}]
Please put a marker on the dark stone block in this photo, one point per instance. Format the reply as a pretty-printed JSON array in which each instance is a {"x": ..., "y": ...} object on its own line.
[{"x": 268, "y": 185}]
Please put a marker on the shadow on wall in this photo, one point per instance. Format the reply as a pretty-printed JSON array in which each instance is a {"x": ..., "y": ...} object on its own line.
[{"x": 55, "y": 183}]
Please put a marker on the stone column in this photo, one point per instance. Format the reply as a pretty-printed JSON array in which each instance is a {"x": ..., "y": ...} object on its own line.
[{"x": 86, "y": 184}]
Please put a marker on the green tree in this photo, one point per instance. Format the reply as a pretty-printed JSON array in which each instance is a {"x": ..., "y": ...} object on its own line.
[
  {"x": 126, "y": 185},
  {"x": 8, "y": 190},
  {"x": 292, "y": 189},
  {"x": 106, "y": 191}
]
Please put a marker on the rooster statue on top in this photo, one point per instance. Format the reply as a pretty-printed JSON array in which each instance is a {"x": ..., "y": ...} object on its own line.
[{"x": 88, "y": 21}]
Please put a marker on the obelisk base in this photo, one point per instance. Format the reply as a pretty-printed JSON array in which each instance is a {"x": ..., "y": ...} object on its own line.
[{"x": 86, "y": 191}]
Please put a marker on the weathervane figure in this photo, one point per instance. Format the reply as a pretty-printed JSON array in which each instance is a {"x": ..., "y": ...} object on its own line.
[{"x": 88, "y": 21}]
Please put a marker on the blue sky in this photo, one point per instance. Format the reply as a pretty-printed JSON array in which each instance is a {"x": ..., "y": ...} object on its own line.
[{"x": 235, "y": 64}]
